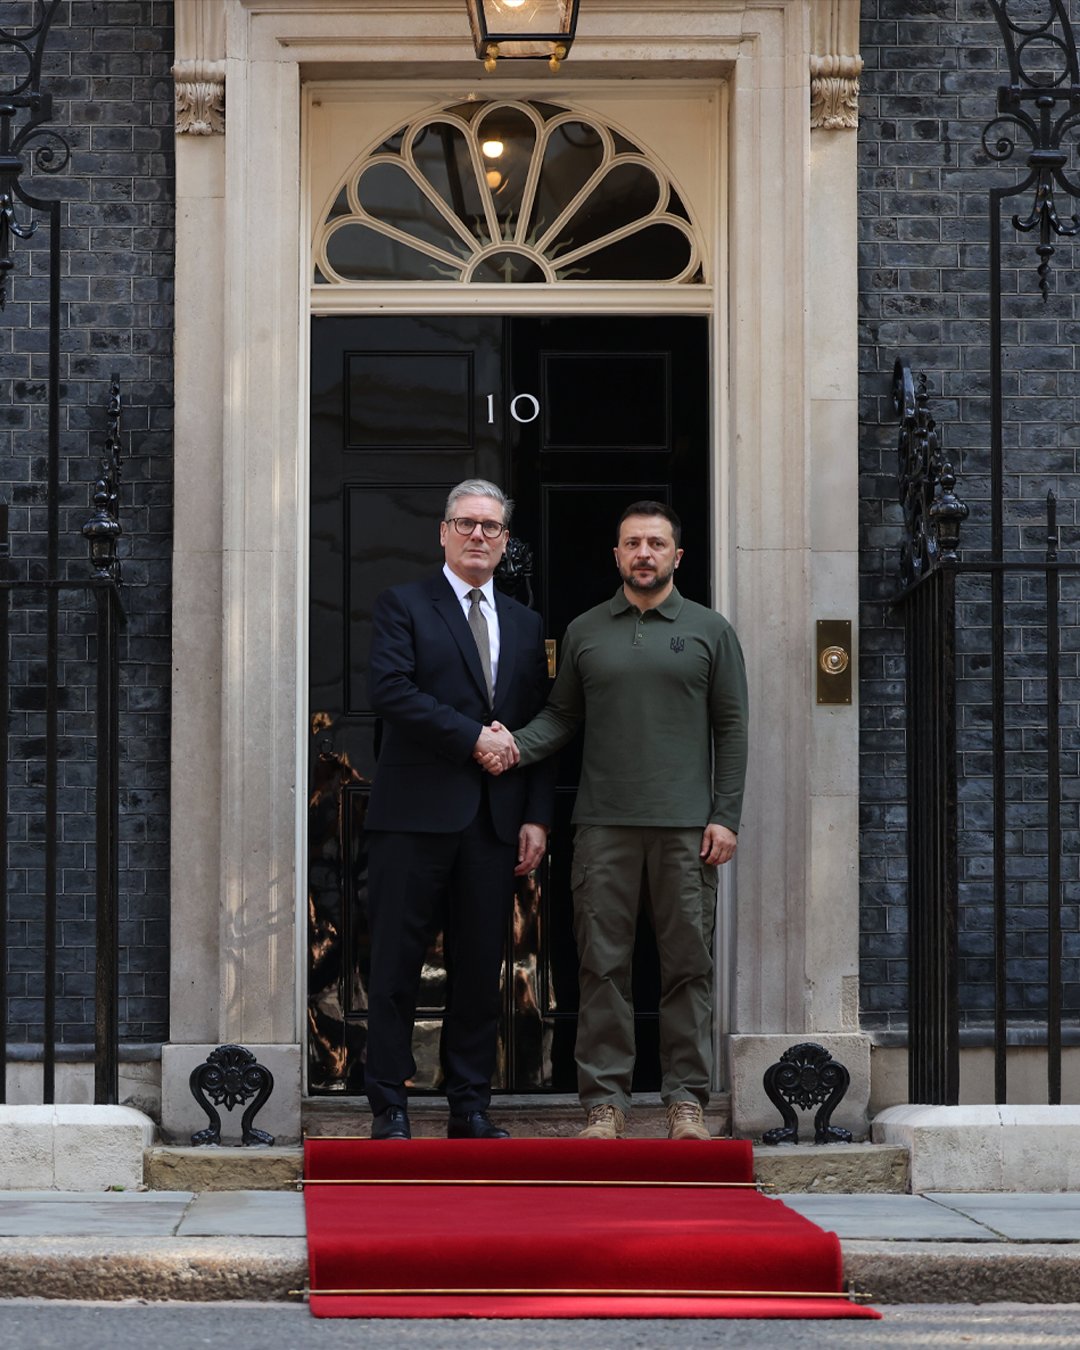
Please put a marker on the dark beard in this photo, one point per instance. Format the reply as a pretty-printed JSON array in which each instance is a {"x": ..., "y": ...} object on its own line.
[{"x": 656, "y": 582}]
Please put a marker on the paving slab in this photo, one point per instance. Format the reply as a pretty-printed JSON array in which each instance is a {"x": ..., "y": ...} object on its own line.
[
  {"x": 245, "y": 1214},
  {"x": 76, "y": 1214},
  {"x": 899, "y": 1218},
  {"x": 1035, "y": 1217}
]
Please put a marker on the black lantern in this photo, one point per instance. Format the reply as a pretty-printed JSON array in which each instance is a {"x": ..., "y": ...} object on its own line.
[{"x": 534, "y": 29}]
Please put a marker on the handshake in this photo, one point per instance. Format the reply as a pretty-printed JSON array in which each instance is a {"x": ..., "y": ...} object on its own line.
[{"x": 495, "y": 749}]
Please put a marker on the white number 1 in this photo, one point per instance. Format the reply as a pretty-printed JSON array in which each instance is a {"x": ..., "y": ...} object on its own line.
[{"x": 530, "y": 402}]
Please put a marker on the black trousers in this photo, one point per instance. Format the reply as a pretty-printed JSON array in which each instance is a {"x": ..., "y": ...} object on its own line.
[{"x": 409, "y": 874}]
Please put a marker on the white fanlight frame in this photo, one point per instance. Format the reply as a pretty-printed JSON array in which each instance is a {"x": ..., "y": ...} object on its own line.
[{"x": 463, "y": 268}]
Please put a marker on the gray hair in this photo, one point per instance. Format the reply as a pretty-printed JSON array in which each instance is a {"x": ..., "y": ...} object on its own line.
[{"x": 479, "y": 487}]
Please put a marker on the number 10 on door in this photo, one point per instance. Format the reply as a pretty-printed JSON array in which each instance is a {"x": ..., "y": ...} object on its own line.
[{"x": 524, "y": 408}]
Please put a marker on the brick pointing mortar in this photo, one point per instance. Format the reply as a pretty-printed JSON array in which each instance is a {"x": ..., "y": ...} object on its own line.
[
  {"x": 932, "y": 69},
  {"x": 107, "y": 64}
]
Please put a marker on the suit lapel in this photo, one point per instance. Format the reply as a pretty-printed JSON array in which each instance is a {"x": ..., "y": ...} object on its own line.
[
  {"x": 507, "y": 645},
  {"x": 449, "y": 609}
]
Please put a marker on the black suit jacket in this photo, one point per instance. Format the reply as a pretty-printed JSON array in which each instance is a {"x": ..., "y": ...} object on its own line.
[{"x": 426, "y": 683}]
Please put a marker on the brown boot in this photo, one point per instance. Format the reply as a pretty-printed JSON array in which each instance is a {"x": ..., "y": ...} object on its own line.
[
  {"x": 686, "y": 1120},
  {"x": 604, "y": 1122}
]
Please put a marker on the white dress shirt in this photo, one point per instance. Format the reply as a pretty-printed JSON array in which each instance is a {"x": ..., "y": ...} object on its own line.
[{"x": 487, "y": 608}]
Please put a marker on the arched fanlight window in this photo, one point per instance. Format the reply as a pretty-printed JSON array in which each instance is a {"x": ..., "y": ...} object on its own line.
[{"x": 507, "y": 191}]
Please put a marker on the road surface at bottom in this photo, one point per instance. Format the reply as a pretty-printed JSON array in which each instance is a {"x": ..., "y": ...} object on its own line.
[{"x": 28, "y": 1324}]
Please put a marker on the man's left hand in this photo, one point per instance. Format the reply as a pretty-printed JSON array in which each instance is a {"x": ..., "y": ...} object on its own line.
[
  {"x": 718, "y": 845},
  {"x": 532, "y": 842}
]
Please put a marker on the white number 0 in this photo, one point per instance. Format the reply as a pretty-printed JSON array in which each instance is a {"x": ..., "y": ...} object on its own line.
[{"x": 528, "y": 399}]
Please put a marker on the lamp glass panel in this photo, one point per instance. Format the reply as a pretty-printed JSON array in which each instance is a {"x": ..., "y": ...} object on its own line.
[{"x": 527, "y": 16}]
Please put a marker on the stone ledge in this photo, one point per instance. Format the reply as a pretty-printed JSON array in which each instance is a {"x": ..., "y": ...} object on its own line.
[
  {"x": 202, "y": 1270},
  {"x": 986, "y": 1148},
  {"x": 266, "y": 1270},
  {"x": 963, "y": 1272},
  {"x": 72, "y": 1148},
  {"x": 220, "y": 1168},
  {"x": 827, "y": 1169},
  {"x": 824, "y": 1169}
]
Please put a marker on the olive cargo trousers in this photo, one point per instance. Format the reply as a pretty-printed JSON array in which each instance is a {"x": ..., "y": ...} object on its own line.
[{"x": 609, "y": 864}]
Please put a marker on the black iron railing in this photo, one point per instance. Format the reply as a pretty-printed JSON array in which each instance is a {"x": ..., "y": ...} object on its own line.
[
  {"x": 958, "y": 636},
  {"x": 947, "y": 646},
  {"x": 31, "y": 607}
]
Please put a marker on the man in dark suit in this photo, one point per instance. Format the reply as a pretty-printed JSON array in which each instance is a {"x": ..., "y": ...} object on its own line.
[{"x": 452, "y": 662}]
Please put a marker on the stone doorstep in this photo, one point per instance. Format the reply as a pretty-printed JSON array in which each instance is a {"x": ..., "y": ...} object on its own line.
[{"x": 826, "y": 1169}]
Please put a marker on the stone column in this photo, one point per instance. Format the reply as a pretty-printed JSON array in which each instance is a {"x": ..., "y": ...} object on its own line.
[
  {"x": 797, "y": 977},
  {"x": 221, "y": 920}
]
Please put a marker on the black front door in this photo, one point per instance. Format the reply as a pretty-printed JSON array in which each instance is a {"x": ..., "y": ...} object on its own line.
[{"x": 577, "y": 418}]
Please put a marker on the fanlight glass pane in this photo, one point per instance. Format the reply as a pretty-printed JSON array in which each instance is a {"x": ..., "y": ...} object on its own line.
[
  {"x": 442, "y": 155},
  {"x": 626, "y": 194},
  {"x": 572, "y": 155},
  {"x": 507, "y": 144},
  {"x": 467, "y": 111},
  {"x": 659, "y": 252},
  {"x": 341, "y": 206},
  {"x": 358, "y": 253},
  {"x": 387, "y": 193},
  {"x": 392, "y": 145},
  {"x": 509, "y": 267}
]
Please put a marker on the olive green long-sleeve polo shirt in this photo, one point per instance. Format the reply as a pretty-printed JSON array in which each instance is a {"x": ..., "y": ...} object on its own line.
[{"x": 662, "y": 694}]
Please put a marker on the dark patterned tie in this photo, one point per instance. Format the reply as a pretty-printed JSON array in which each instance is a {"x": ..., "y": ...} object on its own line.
[{"x": 479, "y": 627}]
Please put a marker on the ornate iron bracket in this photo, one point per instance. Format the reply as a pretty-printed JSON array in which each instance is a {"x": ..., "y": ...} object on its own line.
[
  {"x": 806, "y": 1076},
  {"x": 231, "y": 1074},
  {"x": 933, "y": 513},
  {"x": 21, "y": 92},
  {"x": 103, "y": 529},
  {"x": 1043, "y": 75},
  {"x": 515, "y": 571}
]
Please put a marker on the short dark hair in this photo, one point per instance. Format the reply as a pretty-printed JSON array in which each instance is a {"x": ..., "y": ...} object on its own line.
[{"x": 651, "y": 509}]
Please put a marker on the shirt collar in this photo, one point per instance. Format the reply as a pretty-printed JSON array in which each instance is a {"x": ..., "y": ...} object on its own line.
[
  {"x": 669, "y": 609},
  {"x": 462, "y": 588}
]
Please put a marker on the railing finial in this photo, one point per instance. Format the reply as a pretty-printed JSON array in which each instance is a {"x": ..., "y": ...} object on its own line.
[{"x": 933, "y": 513}]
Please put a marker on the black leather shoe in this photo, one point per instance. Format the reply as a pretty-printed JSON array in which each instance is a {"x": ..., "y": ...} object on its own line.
[
  {"x": 475, "y": 1125},
  {"x": 393, "y": 1123}
]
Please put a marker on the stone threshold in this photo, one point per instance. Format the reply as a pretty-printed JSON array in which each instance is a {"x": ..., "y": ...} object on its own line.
[{"x": 826, "y": 1169}]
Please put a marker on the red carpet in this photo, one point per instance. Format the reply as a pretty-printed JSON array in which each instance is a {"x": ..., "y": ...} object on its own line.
[{"x": 558, "y": 1228}]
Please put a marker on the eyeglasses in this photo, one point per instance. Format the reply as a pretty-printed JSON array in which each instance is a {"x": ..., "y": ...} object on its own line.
[{"x": 464, "y": 525}]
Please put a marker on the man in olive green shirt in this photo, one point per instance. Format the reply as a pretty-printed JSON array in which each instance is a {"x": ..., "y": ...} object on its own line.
[{"x": 660, "y": 685}]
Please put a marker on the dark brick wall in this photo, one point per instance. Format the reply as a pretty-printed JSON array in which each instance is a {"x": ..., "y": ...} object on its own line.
[
  {"x": 107, "y": 65},
  {"x": 929, "y": 87}
]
